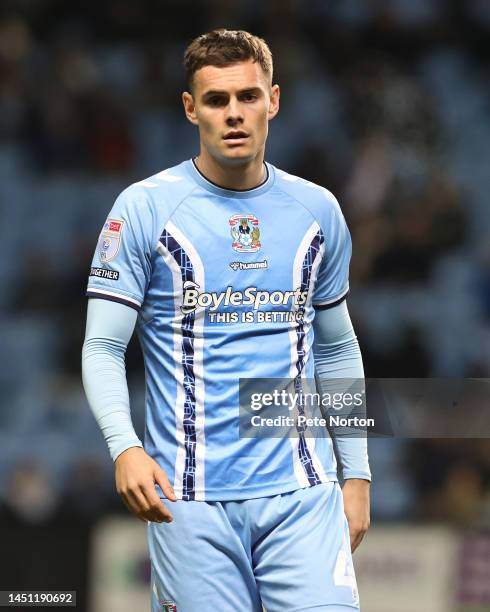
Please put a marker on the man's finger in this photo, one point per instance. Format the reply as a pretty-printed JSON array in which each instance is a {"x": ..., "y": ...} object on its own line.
[
  {"x": 353, "y": 540},
  {"x": 356, "y": 539},
  {"x": 157, "y": 508},
  {"x": 162, "y": 480},
  {"x": 132, "y": 505}
]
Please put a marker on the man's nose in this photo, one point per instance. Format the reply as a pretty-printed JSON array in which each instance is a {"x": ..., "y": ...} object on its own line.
[{"x": 234, "y": 112}]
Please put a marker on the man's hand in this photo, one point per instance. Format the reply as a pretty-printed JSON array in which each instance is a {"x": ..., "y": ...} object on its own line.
[
  {"x": 136, "y": 475},
  {"x": 356, "y": 507}
]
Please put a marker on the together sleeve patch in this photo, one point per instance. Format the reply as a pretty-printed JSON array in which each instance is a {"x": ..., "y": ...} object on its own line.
[{"x": 104, "y": 273}]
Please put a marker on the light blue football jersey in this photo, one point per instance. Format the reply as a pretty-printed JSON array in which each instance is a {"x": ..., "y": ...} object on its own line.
[{"x": 226, "y": 284}]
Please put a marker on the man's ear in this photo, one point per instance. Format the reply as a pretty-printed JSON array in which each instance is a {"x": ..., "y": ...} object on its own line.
[
  {"x": 189, "y": 107},
  {"x": 274, "y": 102}
]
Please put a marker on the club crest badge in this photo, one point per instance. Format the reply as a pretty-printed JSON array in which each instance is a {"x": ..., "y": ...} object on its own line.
[
  {"x": 245, "y": 233},
  {"x": 110, "y": 239},
  {"x": 169, "y": 606}
]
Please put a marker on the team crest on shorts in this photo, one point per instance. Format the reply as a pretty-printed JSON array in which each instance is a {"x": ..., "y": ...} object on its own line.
[
  {"x": 245, "y": 233},
  {"x": 110, "y": 239},
  {"x": 169, "y": 606}
]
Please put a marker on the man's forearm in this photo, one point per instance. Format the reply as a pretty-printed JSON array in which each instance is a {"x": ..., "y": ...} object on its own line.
[
  {"x": 338, "y": 356},
  {"x": 109, "y": 328}
]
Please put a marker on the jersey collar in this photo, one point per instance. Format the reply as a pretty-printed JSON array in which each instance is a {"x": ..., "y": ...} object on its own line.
[{"x": 231, "y": 193}]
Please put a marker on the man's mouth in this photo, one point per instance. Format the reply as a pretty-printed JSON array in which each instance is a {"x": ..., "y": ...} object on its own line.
[{"x": 235, "y": 137}]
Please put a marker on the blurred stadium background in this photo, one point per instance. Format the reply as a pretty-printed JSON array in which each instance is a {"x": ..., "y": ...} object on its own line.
[{"x": 384, "y": 102}]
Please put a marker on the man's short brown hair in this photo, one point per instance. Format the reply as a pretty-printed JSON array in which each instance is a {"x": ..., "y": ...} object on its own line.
[{"x": 225, "y": 47}]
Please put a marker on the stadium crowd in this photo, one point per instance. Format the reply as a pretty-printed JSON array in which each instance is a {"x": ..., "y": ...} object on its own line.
[{"x": 384, "y": 103}]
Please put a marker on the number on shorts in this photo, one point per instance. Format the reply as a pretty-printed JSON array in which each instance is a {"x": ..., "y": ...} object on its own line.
[{"x": 343, "y": 574}]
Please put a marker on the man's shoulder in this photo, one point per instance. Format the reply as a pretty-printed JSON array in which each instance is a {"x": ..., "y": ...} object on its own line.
[
  {"x": 316, "y": 198},
  {"x": 165, "y": 188}
]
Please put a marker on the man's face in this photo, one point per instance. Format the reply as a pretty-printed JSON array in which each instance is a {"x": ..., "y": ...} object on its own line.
[{"x": 232, "y": 107}]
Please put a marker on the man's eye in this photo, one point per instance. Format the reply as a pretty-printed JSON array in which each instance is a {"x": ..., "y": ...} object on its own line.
[
  {"x": 215, "y": 101},
  {"x": 250, "y": 97}
]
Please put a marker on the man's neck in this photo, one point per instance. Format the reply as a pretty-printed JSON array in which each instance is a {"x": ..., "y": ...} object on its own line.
[{"x": 241, "y": 177}]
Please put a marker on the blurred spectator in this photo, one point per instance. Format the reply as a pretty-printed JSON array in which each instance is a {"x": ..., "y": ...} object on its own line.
[{"x": 30, "y": 495}]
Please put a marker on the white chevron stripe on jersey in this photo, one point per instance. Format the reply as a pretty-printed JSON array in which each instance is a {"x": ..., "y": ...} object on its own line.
[
  {"x": 198, "y": 357},
  {"x": 308, "y": 319},
  {"x": 297, "y": 280},
  {"x": 147, "y": 183},
  {"x": 299, "y": 468},
  {"x": 179, "y": 371},
  {"x": 198, "y": 333},
  {"x": 165, "y": 176}
]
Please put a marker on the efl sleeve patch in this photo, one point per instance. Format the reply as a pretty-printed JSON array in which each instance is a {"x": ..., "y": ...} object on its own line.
[
  {"x": 110, "y": 240},
  {"x": 121, "y": 267}
]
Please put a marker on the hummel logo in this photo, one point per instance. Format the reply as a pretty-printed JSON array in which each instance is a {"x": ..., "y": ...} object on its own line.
[{"x": 253, "y": 265}]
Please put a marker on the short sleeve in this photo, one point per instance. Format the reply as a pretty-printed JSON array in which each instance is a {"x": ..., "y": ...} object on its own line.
[
  {"x": 121, "y": 265},
  {"x": 332, "y": 282}
]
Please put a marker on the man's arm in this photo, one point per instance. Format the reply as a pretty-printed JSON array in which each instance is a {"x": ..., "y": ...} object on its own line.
[
  {"x": 337, "y": 356},
  {"x": 110, "y": 326}
]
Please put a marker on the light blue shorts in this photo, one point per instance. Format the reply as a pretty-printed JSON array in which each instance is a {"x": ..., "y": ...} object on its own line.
[{"x": 287, "y": 552}]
